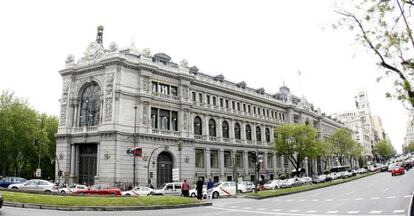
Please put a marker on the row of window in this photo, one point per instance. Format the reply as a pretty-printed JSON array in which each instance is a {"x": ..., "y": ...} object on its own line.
[
  {"x": 212, "y": 130},
  {"x": 165, "y": 89},
  {"x": 214, "y": 159},
  {"x": 246, "y": 108},
  {"x": 164, "y": 119}
]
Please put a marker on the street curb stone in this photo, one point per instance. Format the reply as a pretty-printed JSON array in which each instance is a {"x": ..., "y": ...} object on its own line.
[{"x": 103, "y": 208}]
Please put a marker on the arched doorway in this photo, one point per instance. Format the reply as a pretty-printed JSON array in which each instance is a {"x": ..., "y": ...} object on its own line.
[{"x": 164, "y": 168}]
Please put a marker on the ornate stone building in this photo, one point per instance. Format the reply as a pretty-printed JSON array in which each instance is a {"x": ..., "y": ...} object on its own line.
[{"x": 189, "y": 120}]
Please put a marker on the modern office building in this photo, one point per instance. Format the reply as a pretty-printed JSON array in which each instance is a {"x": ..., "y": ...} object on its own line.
[{"x": 187, "y": 123}]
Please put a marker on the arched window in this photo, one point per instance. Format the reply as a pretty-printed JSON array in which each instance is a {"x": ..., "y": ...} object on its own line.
[
  {"x": 212, "y": 127},
  {"x": 90, "y": 105},
  {"x": 267, "y": 134},
  {"x": 237, "y": 131},
  {"x": 258, "y": 134},
  {"x": 225, "y": 129},
  {"x": 197, "y": 126},
  {"x": 248, "y": 132}
]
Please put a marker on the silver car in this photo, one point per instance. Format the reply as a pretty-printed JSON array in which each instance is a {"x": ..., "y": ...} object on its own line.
[{"x": 35, "y": 185}]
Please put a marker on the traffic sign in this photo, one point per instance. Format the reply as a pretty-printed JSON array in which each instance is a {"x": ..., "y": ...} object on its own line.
[{"x": 176, "y": 174}]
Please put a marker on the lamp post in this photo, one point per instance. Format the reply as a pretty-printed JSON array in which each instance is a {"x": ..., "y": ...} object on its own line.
[
  {"x": 135, "y": 143},
  {"x": 180, "y": 148}
]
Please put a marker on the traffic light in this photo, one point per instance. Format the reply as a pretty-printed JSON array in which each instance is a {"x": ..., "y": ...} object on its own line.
[
  {"x": 254, "y": 157},
  {"x": 237, "y": 159},
  {"x": 60, "y": 173}
]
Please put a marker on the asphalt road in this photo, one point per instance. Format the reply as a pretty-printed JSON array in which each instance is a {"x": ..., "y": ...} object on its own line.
[{"x": 380, "y": 194}]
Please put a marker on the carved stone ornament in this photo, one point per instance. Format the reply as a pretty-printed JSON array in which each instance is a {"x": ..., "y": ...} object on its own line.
[
  {"x": 184, "y": 63},
  {"x": 62, "y": 115},
  {"x": 145, "y": 157},
  {"x": 70, "y": 59},
  {"x": 187, "y": 159},
  {"x": 109, "y": 96},
  {"x": 61, "y": 156},
  {"x": 113, "y": 47},
  {"x": 146, "y": 52},
  {"x": 107, "y": 155},
  {"x": 93, "y": 52}
]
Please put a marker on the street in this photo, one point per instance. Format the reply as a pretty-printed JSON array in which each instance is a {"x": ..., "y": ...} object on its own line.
[{"x": 380, "y": 194}]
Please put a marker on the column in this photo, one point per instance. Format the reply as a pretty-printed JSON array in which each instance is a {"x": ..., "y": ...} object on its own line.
[
  {"x": 231, "y": 130},
  {"x": 274, "y": 165},
  {"x": 246, "y": 162},
  {"x": 219, "y": 130},
  {"x": 243, "y": 131},
  {"x": 205, "y": 126},
  {"x": 221, "y": 161},
  {"x": 72, "y": 160},
  {"x": 207, "y": 163},
  {"x": 265, "y": 162},
  {"x": 180, "y": 120}
]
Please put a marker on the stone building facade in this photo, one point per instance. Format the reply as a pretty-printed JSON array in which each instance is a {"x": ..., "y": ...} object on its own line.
[{"x": 180, "y": 117}]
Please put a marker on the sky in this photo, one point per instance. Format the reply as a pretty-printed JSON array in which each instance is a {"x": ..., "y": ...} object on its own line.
[{"x": 264, "y": 43}]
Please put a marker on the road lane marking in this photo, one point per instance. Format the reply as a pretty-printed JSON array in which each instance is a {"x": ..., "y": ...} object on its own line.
[
  {"x": 290, "y": 200},
  {"x": 398, "y": 211},
  {"x": 294, "y": 210},
  {"x": 375, "y": 212},
  {"x": 277, "y": 200},
  {"x": 359, "y": 198},
  {"x": 391, "y": 197},
  {"x": 247, "y": 208},
  {"x": 349, "y": 193},
  {"x": 302, "y": 200},
  {"x": 329, "y": 200},
  {"x": 261, "y": 209},
  {"x": 407, "y": 196},
  {"x": 374, "y": 198},
  {"x": 353, "y": 212},
  {"x": 332, "y": 212},
  {"x": 233, "y": 206},
  {"x": 315, "y": 200},
  {"x": 276, "y": 210},
  {"x": 311, "y": 211},
  {"x": 385, "y": 190}
]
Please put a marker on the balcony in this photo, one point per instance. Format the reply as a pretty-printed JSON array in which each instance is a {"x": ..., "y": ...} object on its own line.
[
  {"x": 172, "y": 97},
  {"x": 166, "y": 132},
  {"x": 200, "y": 137},
  {"x": 226, "y": 140},
  {"x": 212, "y": 138}
]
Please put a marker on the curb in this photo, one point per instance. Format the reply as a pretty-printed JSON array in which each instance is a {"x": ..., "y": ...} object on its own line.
[
  {"x": 411, "y": 207},
  {"x": 102, "y": 208},
  {"x": 305, "y": 190}
]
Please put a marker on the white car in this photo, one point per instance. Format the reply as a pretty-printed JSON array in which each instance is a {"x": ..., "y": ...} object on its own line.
[
  {"x": 224, "y": 189},
  {"x": 72, "y": 188},
  {"x": 333, "y": 176},
  {"x": 273, "y": 184},
  {"x": 35, "y": 185},
  {"x": 171, "y": 188},
  {"x": 138, "y": 191},
  {"x": 193, "y": 192},
  {"x": 245, "y": 187},
  {"x": 306, "y": 180}
]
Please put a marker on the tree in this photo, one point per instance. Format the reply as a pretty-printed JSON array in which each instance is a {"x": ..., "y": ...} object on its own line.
[
  {"x": 409, "y": 148},
  {"x": 19, "y": 127},
  {"x": 342, "y": 144},
  {"x": 355, "y": 153},
  {"x": 383, "y": 149},
  {"x": 323, "y": 151},
  {"x": 295, "y": 142},
  {"x": 384, "y": 28}
]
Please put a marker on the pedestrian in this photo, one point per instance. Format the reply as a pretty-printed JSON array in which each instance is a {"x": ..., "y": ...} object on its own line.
[
  {"x": 199, "y": 188},
  {"x": 210, "y": 185},
  {"x": 185, "y": 188}
]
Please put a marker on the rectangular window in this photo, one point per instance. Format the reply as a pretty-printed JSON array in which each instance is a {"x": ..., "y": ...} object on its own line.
[
  {"x": 199, "y": 158},
  {"x": 214, "y": 101},
  {"x": 269, "y": 160},
  {"x": 258, "y": 111},
  {"x": 263, "y": 113},
  {"x": 227, "y": 159},
  {"x": 221, "y": 102},
  {"x": 241, "y": 164},
  {"x": 267, "y": 113},
  {"x": 174, "y": 121},
  {"x": 233, "y": 105},
  {"x": 214, "y": 161},
  {"x": 248, "y": 109},
  {"x": 249, "y": 158},
  {"x": 238, "y": 106},
  {"x": 200, "y": 97},
  {"x": 154, "y": 117},
  {"x": 273, "y": 114},
  {"x": 244, "y": 107},
  {"x": 254, "y": 110},
  {"x": 154, "y": 87},
  {"x": 194, "y": 96},
  {"x": 174, "y": 90},
  {"x": 164, "y": 89},
  {"x": 208, "y": 99},
  {"x": 227, "y": 103},
  {"x": 164, "y": 119}
]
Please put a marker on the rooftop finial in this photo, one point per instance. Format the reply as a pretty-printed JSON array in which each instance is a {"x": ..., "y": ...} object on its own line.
[{"x": 99, "y": 35}]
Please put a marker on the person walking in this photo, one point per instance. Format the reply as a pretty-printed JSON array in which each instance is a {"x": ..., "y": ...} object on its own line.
[
  {"x": 210, "y": 185},
  {"x": 185, "y": 188},
  {"x": 199, "y": 188}
]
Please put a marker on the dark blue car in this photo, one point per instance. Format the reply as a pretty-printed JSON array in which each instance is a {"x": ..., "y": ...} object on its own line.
[{"x": 5, "y": 182}]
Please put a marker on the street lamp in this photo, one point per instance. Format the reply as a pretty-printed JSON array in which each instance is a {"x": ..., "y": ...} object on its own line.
[
  {"x": 135, "y": 144},
  {"x": 180, "y": 148}
]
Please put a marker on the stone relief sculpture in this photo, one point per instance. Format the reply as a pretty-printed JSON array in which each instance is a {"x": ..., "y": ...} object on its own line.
[
  {"x": 145, "y": 115},
  {"x": 109, "y": 96},
  {"x": 113, "y": 47},
  {"x": 70, "y": 59},
  {"x": 145, "y": 84},
  {"x": 185, "y": 121},
  {"x": 146, "y": 52},
  {"x": 63, "y": 103},
  {"x": 93, "y": 52},
  {"x": 184, "y": 63}
]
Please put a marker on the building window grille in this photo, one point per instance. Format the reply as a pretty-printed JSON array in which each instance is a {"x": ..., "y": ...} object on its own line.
[
  {"x": 197, "y": 126},
  {"x": 248, "y": 133},
  {"x": 237, "y": 131},
  {"x": 90, "y": 105},
  {"x": 267, "y": 134},
  {"x": 212, "y": 127},
  {"x": 154, "y": 118},
  {"x": 199, "y": 158},
  {"x": 174, "y": 121},
  {"x": 225, "y": 129},
  {"x": 164, "y": 119},
  {"x": 227, "y": 159},
  {"x": 174, "y": 91},
  {"x": 214, "y": 160},
  {"x": 258, "y": 134}
]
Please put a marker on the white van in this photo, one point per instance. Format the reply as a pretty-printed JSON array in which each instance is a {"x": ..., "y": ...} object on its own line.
[{"x": 171, "y": 188}]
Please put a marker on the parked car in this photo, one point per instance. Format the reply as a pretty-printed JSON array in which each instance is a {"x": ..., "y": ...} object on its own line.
[
  {"x": 100, "y": 189},
  {"x": 245, "y": 187},
  {"x": 273, "y": 184},
  {"x": 5, "y": 182},
  {"x": 193, "y": 192},
  {"x": 138, "y": 191},
  {"x": 319, "y": 179},
  {"x": 397, "y": 170},
  {"x": 346, "y": 174},
  {"x": 292, "y": 182},
  {"x": 1, "y": 200},
  {"x": 224, "y": 189},
  {"x": 333, "y": 175},
  {"x": 306, "y": 180},
  {"x": 172, "y": 188},
  {"x": 72, "y": 188},
  {"x": 35, "y": 185}
]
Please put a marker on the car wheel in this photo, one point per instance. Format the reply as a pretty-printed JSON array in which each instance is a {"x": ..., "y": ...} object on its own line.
[
  {"x": 113, "y": 194},
  {"x": 127, "y": 194},
  {"x": 62, "y": 192},
  {"x": 193, "y": 195},
  {"x": 82, "y": 193},
  {"x": 239, "y": 191},
  {"x": 14, "y": 188},
  {"x": 215, "y": 195},
  {"x": 275, "y": 188}
]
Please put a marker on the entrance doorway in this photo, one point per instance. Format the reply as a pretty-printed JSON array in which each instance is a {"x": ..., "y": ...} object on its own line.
[
  {"x": 164, "y": 168},
  {"x": 87, "y": 163}
]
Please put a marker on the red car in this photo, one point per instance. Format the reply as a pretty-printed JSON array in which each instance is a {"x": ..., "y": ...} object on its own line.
[
  {"x": 397, "y": 170},
  {"x": 100, "y": 189}
]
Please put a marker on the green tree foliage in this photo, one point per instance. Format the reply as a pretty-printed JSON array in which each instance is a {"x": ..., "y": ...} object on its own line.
[
  {"x": 383, "y": 149},
  {"x": 323, "y": 151},
  {"x": 343, "y": 144},
  {"x": 20, "y": 125},
  {"x": 409, "y": 148},
  {"x": 384, "y": 27},
  {"x": 296, "y": 142}
]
